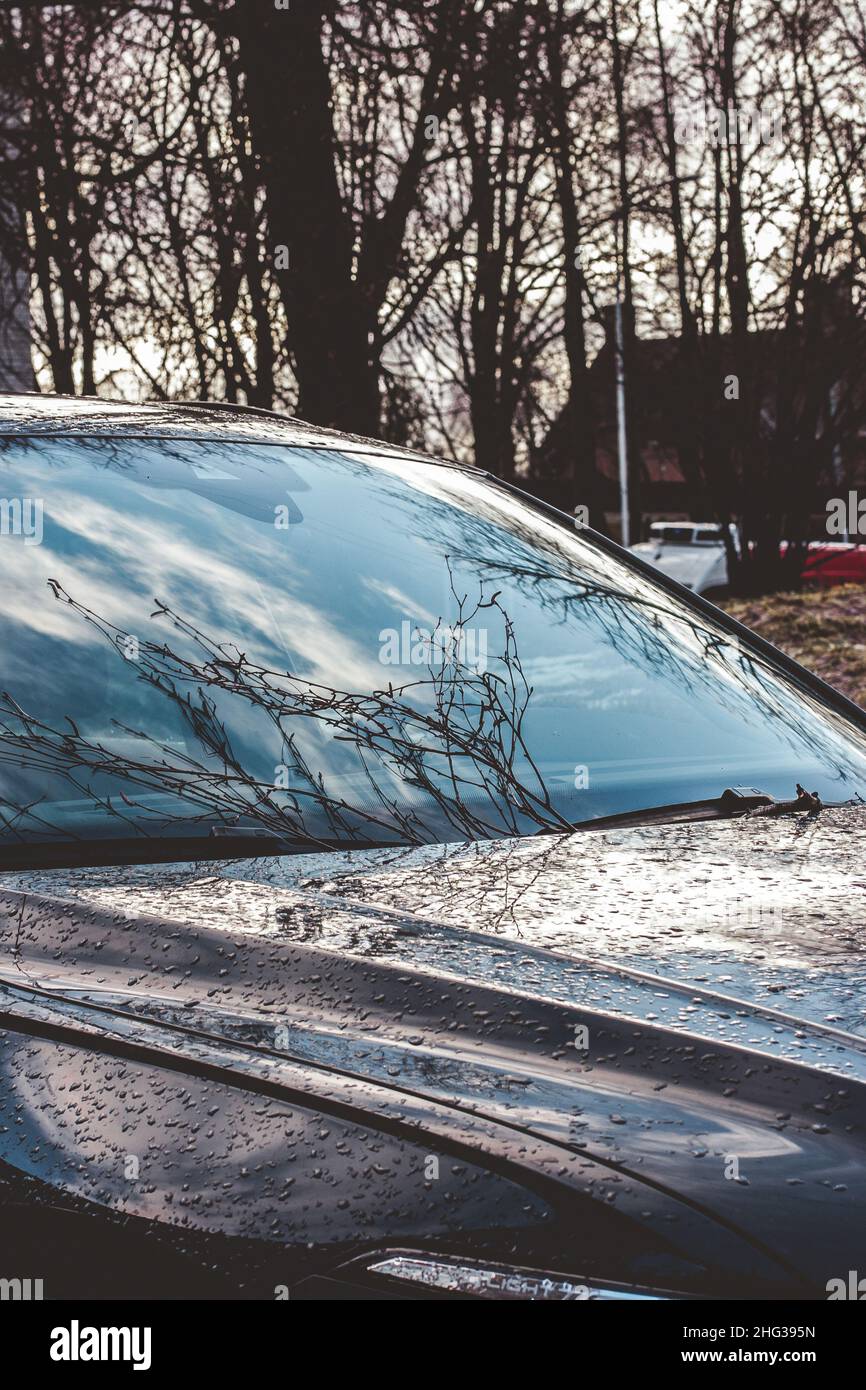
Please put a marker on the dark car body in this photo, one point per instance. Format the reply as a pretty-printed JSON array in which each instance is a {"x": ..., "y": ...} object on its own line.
[{"x": 628, "y": 1061}]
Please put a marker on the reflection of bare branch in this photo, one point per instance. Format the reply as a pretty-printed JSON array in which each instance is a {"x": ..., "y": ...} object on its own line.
[
  {"x": 654, "y": 631},
  {"x": 449, "y": 875},
  {"x": 454, "y": 737}
]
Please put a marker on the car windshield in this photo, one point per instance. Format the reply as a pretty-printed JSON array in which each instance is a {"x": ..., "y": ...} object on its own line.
[{"x": 339, "y": 646}]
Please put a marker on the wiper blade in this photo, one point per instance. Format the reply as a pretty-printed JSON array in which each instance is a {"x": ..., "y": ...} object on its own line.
[
  {"x": 162, "y": 849},
  {"x": 733, "y": 802}
]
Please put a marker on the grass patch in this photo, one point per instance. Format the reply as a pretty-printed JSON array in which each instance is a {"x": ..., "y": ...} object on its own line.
[{"x": 824, "y": 629}]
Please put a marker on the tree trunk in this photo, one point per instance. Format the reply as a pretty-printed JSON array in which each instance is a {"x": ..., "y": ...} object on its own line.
[{"x": 333, "y": 326}]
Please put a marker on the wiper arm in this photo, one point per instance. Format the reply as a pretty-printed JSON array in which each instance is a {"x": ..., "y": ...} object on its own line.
[{"x": 733, "y": 802}]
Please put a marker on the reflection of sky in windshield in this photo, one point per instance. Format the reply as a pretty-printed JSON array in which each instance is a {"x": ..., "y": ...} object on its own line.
[{"x": 304, "y": 560}]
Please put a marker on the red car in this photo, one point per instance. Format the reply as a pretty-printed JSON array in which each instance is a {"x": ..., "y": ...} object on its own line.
[{"x": 834, "y": 562}]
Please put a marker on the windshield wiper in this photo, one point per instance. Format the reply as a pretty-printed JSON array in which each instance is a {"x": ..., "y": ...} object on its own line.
[
  {"x": 733, "y": 802},
  {"x": 161, "y": 849},
  {"x": 242, "y": 842}
]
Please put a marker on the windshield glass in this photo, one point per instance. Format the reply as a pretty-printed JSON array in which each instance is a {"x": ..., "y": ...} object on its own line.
[{"x": 347, "y": 647}]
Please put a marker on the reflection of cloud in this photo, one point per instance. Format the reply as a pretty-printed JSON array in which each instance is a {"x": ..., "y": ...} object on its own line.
[
  {"x": 121, "y": 560},
  {"x": 582, "y": 678},
  {"x": 400, "y": 601}
]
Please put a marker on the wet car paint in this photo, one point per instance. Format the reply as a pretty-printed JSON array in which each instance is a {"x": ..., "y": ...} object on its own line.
[{"x": 444, "y": 991}]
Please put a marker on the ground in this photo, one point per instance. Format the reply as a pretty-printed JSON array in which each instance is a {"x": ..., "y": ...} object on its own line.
[{"x": 824, "y": 630}]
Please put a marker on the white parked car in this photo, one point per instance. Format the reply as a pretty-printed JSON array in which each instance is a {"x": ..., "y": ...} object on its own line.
[{"x": 693, "y": 553}]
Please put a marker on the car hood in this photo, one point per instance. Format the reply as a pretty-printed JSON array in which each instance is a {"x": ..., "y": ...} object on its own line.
[{"x": 681, "y": 1004}]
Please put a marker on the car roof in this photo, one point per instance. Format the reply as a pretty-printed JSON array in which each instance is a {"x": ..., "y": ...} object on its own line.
[{"x": 29, "y": 413}]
